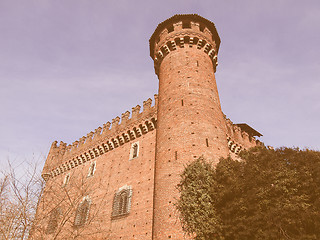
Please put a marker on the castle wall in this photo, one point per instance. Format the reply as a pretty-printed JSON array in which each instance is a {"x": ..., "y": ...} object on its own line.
[
  {"x": 110, "y": 150},
  {"x": 139, "y": 174}
]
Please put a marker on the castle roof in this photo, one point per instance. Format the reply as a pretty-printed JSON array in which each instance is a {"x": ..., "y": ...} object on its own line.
[{"x": 245, "y": 127}]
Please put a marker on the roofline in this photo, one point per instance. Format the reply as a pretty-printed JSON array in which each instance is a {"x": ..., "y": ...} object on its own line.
[
  {"x": 249, "y": 129},
  {"x": 194, "y": 17}
]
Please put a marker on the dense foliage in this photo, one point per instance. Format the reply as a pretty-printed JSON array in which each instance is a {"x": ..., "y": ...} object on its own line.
[{"x": 272, "y": 194}]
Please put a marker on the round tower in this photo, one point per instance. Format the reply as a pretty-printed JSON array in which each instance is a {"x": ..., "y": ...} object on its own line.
[{"x": 190, "y": 122}]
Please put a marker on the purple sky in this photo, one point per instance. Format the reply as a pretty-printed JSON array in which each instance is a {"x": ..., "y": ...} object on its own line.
[{"x": 67, "y": 67}]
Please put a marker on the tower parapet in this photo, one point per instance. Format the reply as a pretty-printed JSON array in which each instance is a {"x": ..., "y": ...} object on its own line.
[{"x": 180, "y": 31}]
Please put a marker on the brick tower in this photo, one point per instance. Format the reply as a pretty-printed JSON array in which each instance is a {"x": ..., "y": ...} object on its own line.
[{"x": 190, "y": 122}]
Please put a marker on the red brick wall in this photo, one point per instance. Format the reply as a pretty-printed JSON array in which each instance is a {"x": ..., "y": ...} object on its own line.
[{"x": 113, "y": 170}]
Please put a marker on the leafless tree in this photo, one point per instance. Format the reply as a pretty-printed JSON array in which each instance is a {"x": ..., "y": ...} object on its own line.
[
  {"x": 31, "y": 208},
  {"x": 18, "y": 201},
  {"x": 70, "y": 211}
]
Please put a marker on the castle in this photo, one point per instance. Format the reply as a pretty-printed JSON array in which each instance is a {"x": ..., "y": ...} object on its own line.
[{"x": 119, "y": 182}]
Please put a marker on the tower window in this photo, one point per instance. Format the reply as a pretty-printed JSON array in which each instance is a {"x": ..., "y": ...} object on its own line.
[
  {"x": 122, "y": 202},
  {"x": 134, "y": 150},
  {"x": 66, "y": 180},
  {"x": 92, "y": 169},
  {"x": 82, "y": 212},
  {"x": 207, "y": 142},
  {"x": 53, "y": 220}
]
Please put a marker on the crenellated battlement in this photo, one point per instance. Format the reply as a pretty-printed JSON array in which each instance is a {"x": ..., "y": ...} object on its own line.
[
  {"x": 110, "y": 136},
  {"x": 121, "y": 130},
  {"x": 184, "y": 31},
  {"x": 241, "y": 137}
]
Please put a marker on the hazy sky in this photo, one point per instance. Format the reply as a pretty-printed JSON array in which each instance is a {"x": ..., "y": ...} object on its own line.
[{"x": 67, "y": 67}]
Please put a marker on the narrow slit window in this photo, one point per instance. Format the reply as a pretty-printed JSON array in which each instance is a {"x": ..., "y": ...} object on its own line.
[
  {"x": 181, "y": 102},
  {"x": 207, "y": 142},
  {"x": 176, "y": 155}
]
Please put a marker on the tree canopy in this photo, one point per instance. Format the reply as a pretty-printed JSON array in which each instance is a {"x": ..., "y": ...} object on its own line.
[{"x": 270, "y": 194}]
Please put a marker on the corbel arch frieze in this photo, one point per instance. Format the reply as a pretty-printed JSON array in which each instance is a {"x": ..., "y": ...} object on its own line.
[{"x": 105, "y": 146}]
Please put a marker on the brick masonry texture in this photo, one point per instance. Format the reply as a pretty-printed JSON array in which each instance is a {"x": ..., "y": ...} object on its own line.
[{"x": 184, "y": 123}]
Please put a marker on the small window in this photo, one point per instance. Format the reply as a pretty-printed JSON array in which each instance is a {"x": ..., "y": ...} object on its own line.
[
  {"x": 122, "y": 202},
  {"x": 66, "y": 180},
  {"x": 92, "y": 169},
  {"x": 134, "y": 150},
  {"x": 82, "y": 212},
  {"x": 53, "y": 220}
]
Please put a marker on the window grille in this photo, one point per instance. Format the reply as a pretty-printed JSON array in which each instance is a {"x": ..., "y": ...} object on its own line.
[
  {"x": 122, "y": 202},
  {"x": 82, "y": 212},
  {"x": 53, "y": 220}
]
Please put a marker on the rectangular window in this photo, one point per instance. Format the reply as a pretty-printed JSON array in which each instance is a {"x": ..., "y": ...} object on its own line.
[
  {"x": 92, "y": 169},
  {"x": 134, "y": 150},
  {"x": 66, "y": 180}
]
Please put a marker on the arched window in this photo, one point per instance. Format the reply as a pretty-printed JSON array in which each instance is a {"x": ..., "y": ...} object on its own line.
[
  {"x": 122, "y": 202},
  {"x": 53, "y": 220},
  {"x": 82, "y": 212}
]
